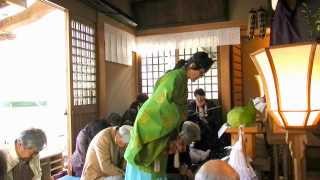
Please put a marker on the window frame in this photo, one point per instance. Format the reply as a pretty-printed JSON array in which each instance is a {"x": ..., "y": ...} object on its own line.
[{"x": 146, "y": 85}]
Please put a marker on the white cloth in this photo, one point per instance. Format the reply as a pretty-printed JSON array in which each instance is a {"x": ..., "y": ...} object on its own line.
[
  {"x": 13, "y": 160},
  {"x": 119, "y": 45},
  {"x": 259, "y": 104},
  {"x": 238, "y": 161},
  {"x": 197, "y": 155},
  {"x": 188, "y": 40}
]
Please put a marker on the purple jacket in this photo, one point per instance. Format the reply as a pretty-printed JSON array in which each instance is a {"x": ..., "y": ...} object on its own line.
[{"x": 83, "y": 140}]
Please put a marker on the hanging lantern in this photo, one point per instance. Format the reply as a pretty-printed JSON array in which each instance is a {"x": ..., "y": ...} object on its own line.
[
  {"x": 261, "y": 22},
  {"x": 252, "y": 22}
]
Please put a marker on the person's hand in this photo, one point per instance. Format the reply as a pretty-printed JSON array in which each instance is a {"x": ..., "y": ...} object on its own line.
[
  {"x": 183, "y": 170},
  {"x": 189, "y": 174}
]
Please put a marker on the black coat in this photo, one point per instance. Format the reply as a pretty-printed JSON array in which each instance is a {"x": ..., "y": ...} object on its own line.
[{"x": 209, "y": 130}]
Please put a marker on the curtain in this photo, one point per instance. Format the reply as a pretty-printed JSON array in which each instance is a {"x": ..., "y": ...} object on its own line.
[
  {"x": 119, "y": 45},
  {"x": 197, "y": 39}
]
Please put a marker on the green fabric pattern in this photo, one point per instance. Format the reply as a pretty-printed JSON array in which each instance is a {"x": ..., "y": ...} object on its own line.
[{"x": 159, "y": 117}]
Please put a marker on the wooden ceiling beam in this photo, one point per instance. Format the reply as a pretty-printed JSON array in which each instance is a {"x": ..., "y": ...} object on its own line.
[
  {"x": 31, "y": 14},
  {"x": 191, "y": 28}
]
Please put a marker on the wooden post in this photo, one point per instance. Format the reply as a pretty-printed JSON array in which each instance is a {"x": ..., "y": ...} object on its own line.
[{"x": 296, "y": 141}]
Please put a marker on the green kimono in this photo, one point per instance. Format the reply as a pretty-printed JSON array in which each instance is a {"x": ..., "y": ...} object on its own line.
[{"x": 159, "y": 117}]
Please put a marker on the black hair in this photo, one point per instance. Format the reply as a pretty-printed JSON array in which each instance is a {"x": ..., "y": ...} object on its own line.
[
  {"x": 199, "y": 60},
  {"x": 199, "y": 92},
  {"x": 181, "y": 63},
  {"x": 113, "y": 119},
  {"x": 142, "y": 97}
]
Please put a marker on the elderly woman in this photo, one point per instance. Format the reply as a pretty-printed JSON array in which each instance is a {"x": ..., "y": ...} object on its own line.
[
  {"x": 216, "y": 170},
  {"x": 159, "y": 119},
  {"x": 104, "y": 159},
  {"x": 23, "y": 155}
]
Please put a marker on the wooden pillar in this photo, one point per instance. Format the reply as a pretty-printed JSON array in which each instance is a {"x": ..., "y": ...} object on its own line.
[
  {"x": 296, "y": 142},
  {"x": 285, "y": 160}
]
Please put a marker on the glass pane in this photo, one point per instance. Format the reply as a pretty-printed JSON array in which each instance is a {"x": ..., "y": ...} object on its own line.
[{"x": 84, "y": 63}]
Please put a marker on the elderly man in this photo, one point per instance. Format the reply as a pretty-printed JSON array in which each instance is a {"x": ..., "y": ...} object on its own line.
[
  {"x": 23, "y": 156},
  {"x": 84, "y": 138},
  {"x": 178, "y": 168},
  {"x": 216, "y": 170},
  {"x": 104, "y": 159}
]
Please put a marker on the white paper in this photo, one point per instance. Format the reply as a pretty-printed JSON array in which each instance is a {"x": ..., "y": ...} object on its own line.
[{"x": 223, "y": 128}]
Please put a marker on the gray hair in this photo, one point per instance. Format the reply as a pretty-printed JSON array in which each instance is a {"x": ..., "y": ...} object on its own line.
[
  {"x": 33, "y": 139},
  {"x": 216, "y": 170},
  {"x": 124, "y": 132},
  {"x": 190, "y": 132}
]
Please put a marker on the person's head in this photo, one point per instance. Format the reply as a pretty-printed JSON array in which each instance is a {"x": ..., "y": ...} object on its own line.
[
  {"x": 198, "y": 65},
  {"x": 129, "y": 116},
  {"x": 189, "y": 133},
  {"x": 3, "y": 165},
  {"x": 200, "y": 96},
  {"x": 216, "y": 170},
  {"x": 30, "y": 142},
  {"x": 122, "y": 136},
  {"x": 114, "y": 119},
  {"x": 141, "y": 98}
]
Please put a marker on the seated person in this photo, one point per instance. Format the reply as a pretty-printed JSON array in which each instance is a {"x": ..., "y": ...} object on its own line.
[
  {"x": 189, "y": 133},
  {"x": 84, "y": 138},
  {"x": 130, "y": 115},
  {"x": 22, "y": 156},
  {"x": 216, "y": 170},
  {"x": 3, "y": 166},
  {"x": 207, "y": 114},
  {"x": 104, "y": 159}
]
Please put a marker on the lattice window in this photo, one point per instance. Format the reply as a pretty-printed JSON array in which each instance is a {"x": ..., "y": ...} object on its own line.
[
  {"x": 155, "y": 65},
  {"x": 83, "y": 63}
]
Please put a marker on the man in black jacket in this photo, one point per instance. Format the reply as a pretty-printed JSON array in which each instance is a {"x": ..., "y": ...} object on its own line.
[{"x": 208, "y": 115}]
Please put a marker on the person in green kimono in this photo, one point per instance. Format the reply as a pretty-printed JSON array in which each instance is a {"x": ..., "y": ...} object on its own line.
[{"x": 158, "y": 120}]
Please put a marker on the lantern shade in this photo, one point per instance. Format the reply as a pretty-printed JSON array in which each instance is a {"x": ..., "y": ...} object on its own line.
[{"x": 291, "y": 79}]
